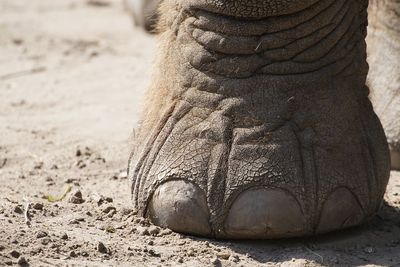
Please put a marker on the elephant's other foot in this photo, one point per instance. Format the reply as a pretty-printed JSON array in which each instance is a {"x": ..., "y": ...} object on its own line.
[
  {"x": 264, "y": 213},
  {"x": 180, "y": 206},
  {"x": 395, "y": 159}
]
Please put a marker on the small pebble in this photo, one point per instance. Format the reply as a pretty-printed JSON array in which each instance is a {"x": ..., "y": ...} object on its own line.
[
  {"x": 64, "y": 236},
  {"x": 22, "y": 261},
  {"x": 215, "y": 262},
  {"x": 18, "y": 209},
  {"x": 15, "y": 253},
  {"x": 123, "y": 175},
  {"x": 108, "y": 208},
  {"x": 143, "y": 231},
  {"x": 165, "y": 232},
  {"x": 102, "y": 248},
  {"x": 234, "y": 258},
  {"x": 37, "y": 206},
  {"x": 46, "y": 241},
  {"x": 76, "y": 197},
  {"x": 190, "y": 252},
  {"x": 154, "y": 230},
  {"x": 223, "y": 255},
  {"x": 41, "y": 234},
  {"x": 153, "y": 253}
]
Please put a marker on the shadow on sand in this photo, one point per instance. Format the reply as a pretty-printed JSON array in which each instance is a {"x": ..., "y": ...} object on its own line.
[{"x": 377, "y": 242}]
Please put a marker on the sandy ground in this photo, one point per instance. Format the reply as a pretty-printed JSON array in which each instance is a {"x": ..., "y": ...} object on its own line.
[{"x": 72, "y": 75}]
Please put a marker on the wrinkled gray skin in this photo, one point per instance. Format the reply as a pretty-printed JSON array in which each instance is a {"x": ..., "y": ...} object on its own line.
[
  {"x": 384, "y": 76},
  {"x": 384, "y": 58},
  {"x": 258, "y": 122}
]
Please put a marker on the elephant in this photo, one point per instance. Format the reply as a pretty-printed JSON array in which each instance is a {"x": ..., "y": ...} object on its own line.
[
  {"x": 258, "y": 122},
  {"x": 383, "y": 55}
]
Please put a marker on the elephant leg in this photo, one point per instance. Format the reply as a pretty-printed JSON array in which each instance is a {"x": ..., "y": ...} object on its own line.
[
  {"x": 384, "y": 76},
  {"x": 258, "y": 122}
]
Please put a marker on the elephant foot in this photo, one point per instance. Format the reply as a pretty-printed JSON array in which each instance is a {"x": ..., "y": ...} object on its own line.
[
  {"x": 395, "y": 159},
  {"x": 259, "y": 126}
]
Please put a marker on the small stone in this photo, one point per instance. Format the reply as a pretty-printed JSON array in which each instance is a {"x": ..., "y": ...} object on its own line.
[
  {"x": 127, "y": 211},
  {"x": 153, "y": 253},
  {"x": 215, "y": 262},
  {"x": 45, "y": 241},
  {"x": 154, "y": 230},
  {"x": 110, "y": 229},
  {"x": 54, "y": 167},
  {"x": 143, "y": 231},
  {"x": 123, "y": 175},
  {"x": 15, "y": 254},
  {"x": 111, "y": 213},
  {"x": 2, "y": 247},
  {"x": 88, "y": 151},
  {"x": 76, "y": 197},
  {"x": 223, "y": 255},
  {"x": 38, "y": 165},
  {"x": 190, "y": 252},
  {"x": 71, "y": 180},
  {"x": 102, "y": 248},
  {"x": 109, "y": 208},
  {"x": 165, "y": 232},
  {"x": 97, "y": 198},
  {"x": 41, "y": 234},
  {"x": 234, "y": 258},
  {"x": 180, "y": 260},
  {"x": 37, "y": 206},
  {"x": 76, "y": 221},
  {"x": 80, "y": 164},
  {"x": 150, "y": 243},
  {"x": 18, "y": 209},
  {"x": 22, "y": 261},
  {"x": 64, "y": 236}
]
